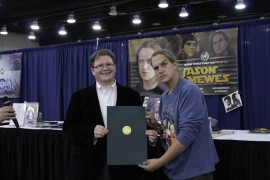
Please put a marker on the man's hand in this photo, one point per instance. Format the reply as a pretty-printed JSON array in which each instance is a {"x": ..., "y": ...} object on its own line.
[
  {"x": 7, "y": 112},
  {"x": 152, "y": 135},
  {"x": 100, "y": 131},
  {"x": 151, "y": 120},
  {"x": 151, "y": 165}
]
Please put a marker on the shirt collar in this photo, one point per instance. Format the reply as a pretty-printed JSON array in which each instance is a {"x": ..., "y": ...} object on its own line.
[{"x": 100, "y": 87}]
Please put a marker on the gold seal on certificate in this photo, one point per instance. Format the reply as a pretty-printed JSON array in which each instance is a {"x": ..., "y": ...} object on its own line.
[{"x": 126, "y": 130}]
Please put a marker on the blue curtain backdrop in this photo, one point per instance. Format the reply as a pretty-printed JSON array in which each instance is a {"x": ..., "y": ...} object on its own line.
[{"x": 50, "y": 74}]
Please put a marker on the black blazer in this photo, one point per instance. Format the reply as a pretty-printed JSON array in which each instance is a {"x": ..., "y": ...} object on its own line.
[{"x": 83, "y": 114}]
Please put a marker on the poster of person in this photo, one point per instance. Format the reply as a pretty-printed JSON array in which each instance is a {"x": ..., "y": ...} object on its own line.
[
  {"x": 142, "y": 75},
  {"x": 232, "y": 101},
  {"x": 208, "y": 59},
  {"x": 10, "y": 75}
]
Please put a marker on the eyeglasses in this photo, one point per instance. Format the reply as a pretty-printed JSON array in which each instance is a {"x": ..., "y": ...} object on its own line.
[{"x": 101, "y": 66}]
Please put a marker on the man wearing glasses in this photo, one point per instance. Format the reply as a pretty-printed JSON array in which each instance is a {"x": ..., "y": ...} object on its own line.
[{"x": 86, "y": 122}]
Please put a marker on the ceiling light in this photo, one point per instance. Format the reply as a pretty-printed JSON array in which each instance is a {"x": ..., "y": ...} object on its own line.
[
  {"x": 136, "y": 19},
  {"x": 31, "y": 35},
  {"x": 96, "y": 26},
  {"x": 163, "y": 4},
  {"x": 4, "y": 30},
  {"x": 62, "y": 31},
  {"x": 183, "y": 12},
  {"x": 71, "y": 19},
  {"x": 113, "y": 11},
  {"x": 240, "y": 4},
  {"x": 222, "y": 16},
  {"x": 34, "y": 25},
  {"x": 156, "y": 24}
]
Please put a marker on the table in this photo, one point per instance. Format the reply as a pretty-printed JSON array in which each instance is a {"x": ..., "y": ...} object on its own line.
[
  {"x": 243, "y": 155},
  {"x": 33, "y": 154},
  {"x": 43, "y": 154}
]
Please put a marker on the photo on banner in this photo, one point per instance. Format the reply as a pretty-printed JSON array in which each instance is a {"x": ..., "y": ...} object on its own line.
[
  {"x": 10, "y": 75},
  {"x": 232, "y": 101},
  {"x": 208, "y": 59}
]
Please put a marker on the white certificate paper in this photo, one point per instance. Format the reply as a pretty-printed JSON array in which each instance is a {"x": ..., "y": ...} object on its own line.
[{"x": 19, "y": 108}]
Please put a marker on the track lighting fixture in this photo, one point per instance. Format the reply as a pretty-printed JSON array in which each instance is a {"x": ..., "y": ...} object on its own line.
[
  {"x": 163, "y": 4},
  {"x": 136, "y": 19},
  {"x": 62, "y": 31},
  {"x": 4, "y": 30},
  {"x": 31, "y": 36},
  {"x": 112, "y": 11},
  {"x": 34, "y": 25},
  {"x": 96, "y": 25},
  {"x": 215, "y": 24},
  {"x": 183, "y": 12},
  {"x": 240, "y": 4},
  {"x": 71, "y": 19}
]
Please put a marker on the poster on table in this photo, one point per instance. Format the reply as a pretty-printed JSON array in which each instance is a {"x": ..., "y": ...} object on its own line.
[
  {"x": 208, "y": 59},
  {"x": 10, "y": 75}
]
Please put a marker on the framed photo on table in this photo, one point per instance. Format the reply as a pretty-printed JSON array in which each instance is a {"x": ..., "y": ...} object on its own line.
[{"x": 31, "y": 113}]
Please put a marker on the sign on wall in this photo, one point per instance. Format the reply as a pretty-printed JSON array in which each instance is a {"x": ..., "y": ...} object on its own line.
[
  {"x": 10, "y": 75},
  {"x": 208, "y": 59}
]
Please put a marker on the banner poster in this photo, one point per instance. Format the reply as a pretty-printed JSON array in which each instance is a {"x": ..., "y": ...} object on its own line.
[
  {"x": 208, "y": 59},
  {"x": 10, "y": 75}
]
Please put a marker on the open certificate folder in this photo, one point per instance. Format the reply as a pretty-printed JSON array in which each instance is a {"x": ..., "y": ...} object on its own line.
[{"x": 126, "y": 140}]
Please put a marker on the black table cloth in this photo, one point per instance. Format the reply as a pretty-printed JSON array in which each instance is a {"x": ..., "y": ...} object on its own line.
[{"x": 32, "y": 154}]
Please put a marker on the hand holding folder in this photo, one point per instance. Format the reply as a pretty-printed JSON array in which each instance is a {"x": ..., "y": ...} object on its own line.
[{"x": 126, "y": 140}]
